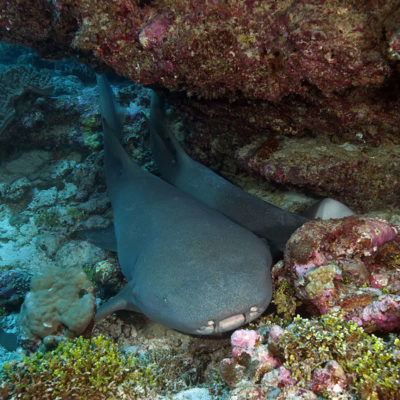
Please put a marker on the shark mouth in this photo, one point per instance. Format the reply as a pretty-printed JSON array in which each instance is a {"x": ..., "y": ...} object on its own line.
[{"x": 230, "y": 323}]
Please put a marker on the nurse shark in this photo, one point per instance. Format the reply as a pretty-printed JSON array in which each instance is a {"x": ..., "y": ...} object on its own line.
[{"x": 192, "y": 246}]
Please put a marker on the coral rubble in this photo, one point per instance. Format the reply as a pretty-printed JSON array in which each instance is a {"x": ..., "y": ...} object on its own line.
[{"x": 323, "y": 357}]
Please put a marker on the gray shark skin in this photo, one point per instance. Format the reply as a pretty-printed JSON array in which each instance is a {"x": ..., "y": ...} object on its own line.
[
  {"x": 188, "y": 266},
  {"x": 263, "y": 218},
  {"x": 176, "y": 167}
]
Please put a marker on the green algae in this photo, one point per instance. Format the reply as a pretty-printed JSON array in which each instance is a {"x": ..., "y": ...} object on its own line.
[
  {"x": 369, "y": 361},
  {"x": 80, "y": 369}
]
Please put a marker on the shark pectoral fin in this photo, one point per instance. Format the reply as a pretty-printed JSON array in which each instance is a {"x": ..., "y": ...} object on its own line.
[
  {"x": 104, "y": 238},
  {"x": 121, "y": 301}
]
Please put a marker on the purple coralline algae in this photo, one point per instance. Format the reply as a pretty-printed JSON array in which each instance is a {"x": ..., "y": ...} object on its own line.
[
  {"x": 351, "y": 264},
  {"x": 259, "y": 49}
]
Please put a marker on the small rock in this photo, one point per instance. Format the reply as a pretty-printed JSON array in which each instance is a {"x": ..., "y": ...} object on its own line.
[{"x": 193, "y": 394}]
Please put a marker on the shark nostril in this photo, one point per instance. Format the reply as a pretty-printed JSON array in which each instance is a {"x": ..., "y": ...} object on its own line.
[{"x": 254, "y": 312}]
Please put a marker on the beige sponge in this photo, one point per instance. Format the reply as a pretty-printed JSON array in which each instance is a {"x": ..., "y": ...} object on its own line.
[{"x": 61, "y": 300}]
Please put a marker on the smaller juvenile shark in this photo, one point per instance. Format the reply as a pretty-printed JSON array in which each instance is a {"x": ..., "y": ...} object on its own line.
[
  {"x": 263, "y": 218},
  {"x": 195, "y": 179}
]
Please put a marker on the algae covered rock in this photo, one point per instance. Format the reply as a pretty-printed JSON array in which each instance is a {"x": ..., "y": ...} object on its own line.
[
  {"x": 349, "y": 264},
  {"x": 20, "y": 86}
]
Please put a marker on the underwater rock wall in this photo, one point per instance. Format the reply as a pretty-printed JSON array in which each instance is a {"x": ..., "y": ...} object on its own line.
[
  {"x": 362, "y": 176},
  {"x": 242, "y": 49},
  {"x": 307, "y": 68}
]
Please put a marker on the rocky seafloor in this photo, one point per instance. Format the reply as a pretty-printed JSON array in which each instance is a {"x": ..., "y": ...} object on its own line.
[{"x": 52, "y": 185}]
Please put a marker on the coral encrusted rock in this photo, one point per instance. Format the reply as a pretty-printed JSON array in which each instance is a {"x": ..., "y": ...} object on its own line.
[
  {"x": 351, "y": 264},
  {"x": 323, "y": 357}
]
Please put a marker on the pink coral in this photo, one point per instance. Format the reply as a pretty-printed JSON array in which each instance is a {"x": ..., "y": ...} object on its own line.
[
  {"x": 250, "y": 358},
  {"x": 245, "y": 338},
  {"x": 384, "y": 312},
  {"x": 279, "y": 377},
  {"x": 275, "y": 333}
]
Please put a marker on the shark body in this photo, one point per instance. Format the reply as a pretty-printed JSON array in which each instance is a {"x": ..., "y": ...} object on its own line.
[
  {"x": 188, "y": 266},
  {"x": 193, "y": 246}
]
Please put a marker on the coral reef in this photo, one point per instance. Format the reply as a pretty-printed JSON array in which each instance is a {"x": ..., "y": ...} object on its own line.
[
  {"x": 20, "y": 87},
  {"x": 13, "y": 287},
  {"x": 48, "y": 194},
  {"x": 324, "y": 357},
  {"x": 350, "y": 264}
]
